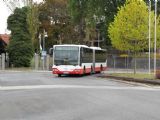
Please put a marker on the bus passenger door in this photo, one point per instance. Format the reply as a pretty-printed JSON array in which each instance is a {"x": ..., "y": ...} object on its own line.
[{"x": 93, "y": 64}]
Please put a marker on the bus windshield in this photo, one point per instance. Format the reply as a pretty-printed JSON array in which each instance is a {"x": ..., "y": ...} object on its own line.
[{"x": 66, "y": 55}]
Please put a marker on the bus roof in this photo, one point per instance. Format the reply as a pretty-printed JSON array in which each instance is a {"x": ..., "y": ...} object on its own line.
[
  {"x": 72, "y": 45},
  {"x": 94, "y": 48},
  {"x": 97, "y": 48}
]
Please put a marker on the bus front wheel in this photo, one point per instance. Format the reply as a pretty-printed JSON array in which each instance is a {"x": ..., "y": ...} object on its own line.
[
  {"x": 101, "y": 68},
  {"x": 84, "y": 70}
]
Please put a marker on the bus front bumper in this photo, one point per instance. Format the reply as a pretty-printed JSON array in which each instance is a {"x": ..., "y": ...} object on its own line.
[{"x": 75, "y": 71}]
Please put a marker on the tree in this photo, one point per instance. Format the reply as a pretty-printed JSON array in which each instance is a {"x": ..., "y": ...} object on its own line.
[
  {"x": 129, "y": 31},
  {"x": 33, "y": 22},
  {"x": 78, "y": 11},
  {"x": 20, "y": 48},
  {"x": 93, "y": 12},
  {"x": 153, "y": 5},
  {"x": 55, "y": 20}
]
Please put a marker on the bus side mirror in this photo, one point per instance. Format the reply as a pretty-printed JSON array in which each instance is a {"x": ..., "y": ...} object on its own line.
[{"x": 51, "y": 51}]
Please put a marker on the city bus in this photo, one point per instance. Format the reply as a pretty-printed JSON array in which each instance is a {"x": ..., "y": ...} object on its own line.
[{"x": 78, "y": 60}]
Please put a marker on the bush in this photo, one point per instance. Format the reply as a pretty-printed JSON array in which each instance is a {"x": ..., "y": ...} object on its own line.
[
  {"x": 20, "y": 53},
  {"x": 158, "y": 74}
]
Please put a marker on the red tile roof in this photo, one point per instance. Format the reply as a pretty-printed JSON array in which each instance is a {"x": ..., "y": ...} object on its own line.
[{"x": 5, "y": 38}]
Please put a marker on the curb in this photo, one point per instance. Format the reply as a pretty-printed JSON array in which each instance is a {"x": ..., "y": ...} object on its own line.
[{"x": 145, "y": 81}]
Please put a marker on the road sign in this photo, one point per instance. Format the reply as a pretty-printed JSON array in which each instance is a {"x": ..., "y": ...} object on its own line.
[{"x": 44, "y": 53}]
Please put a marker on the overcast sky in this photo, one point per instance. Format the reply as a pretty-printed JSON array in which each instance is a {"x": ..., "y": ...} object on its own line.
[{"x": 4, "y": 13}]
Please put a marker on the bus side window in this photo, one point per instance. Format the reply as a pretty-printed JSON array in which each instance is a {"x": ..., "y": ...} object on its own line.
[
  {"x": 82, "y": 52},
  {"x": 81, "y": 55}
]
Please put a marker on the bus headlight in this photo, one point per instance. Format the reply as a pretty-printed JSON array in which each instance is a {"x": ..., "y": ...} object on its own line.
[
  {"x": 77, "y": 70},
  {"x": 55, "y": 69}
]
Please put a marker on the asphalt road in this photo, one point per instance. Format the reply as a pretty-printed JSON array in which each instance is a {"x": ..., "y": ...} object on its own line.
[{"x": 43, "y": 96}]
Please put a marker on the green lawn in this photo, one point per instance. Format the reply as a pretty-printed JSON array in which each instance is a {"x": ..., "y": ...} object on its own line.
[{"x": 137, "y": 75}]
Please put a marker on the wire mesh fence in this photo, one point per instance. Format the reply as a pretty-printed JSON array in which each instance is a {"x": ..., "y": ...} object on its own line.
[
  {"x": 115, "y": 60},
  {"x": 4, "y": 61},
  {"x": 42, "y": 62},
  {"x": 128, "y": 61}
]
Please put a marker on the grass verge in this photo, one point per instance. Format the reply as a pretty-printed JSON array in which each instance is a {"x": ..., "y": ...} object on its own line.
[{"x": 136, "y": 76}]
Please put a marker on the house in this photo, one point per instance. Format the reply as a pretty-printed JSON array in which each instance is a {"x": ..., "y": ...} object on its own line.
[{"x": 4, "y": 41}]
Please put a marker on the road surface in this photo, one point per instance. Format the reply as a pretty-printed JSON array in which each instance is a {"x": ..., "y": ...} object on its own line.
[{"x": 43, "y": 96}]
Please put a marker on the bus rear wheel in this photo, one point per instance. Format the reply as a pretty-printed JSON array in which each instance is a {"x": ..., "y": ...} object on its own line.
[
  {"x": 59, "y": 75},
  {"x": 101, "y": 68},
  {"x": 91, "y": 70}
]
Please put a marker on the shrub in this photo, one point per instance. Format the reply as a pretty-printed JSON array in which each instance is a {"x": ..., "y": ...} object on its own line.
[
  {"x": 158, "y": 74},
  {"x": 20, "y": 53}
]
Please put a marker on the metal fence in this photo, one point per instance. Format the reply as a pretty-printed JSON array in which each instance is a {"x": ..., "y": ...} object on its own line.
[
  {"x": 113, "y": 61},
  {"x": 4, "y": 61},
  {"x": 116, "y": 61},
  {"x": 127, "y": 62},
  {"x": 42, "y": 62},
  {"x": 38, "y": 62}
]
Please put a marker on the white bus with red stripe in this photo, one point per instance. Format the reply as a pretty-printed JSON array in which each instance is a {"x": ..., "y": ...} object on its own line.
[{"x": 78, "y": 59}]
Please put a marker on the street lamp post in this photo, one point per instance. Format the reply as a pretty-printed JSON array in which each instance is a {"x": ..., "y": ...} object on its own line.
[
  {"x": 44, "y": 36},
  {"x": 43, "y": 50},
  {"x": 155, "y": 37},
  {"x": 149, "y": 32}
]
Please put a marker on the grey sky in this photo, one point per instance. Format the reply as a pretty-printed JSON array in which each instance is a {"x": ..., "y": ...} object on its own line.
[{"x": 4, "y": 13}]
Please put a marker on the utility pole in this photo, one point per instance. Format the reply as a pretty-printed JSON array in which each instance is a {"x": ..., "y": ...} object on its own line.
[
  {"x": 149, "y": 39},
  {"x": 43, "y": 50},
  {"x": 155, "y": 36}
]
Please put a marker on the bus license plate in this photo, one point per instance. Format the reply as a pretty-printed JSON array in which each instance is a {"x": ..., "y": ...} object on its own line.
[{"x": 65, "y": 72}]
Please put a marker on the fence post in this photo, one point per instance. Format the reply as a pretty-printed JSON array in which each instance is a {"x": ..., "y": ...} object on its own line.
[
  {"x": 36, "y": 60},
  {"x": 114, "y": 61},
  {"x": 47, "y": 62},
  {"x": 7, "y": 60},
  {"x": 3, "y": 61},
  {"x": 0, "y": 62}
]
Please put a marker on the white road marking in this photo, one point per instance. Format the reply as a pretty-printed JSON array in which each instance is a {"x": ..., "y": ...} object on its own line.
[{"x": 3, "y": 88}]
